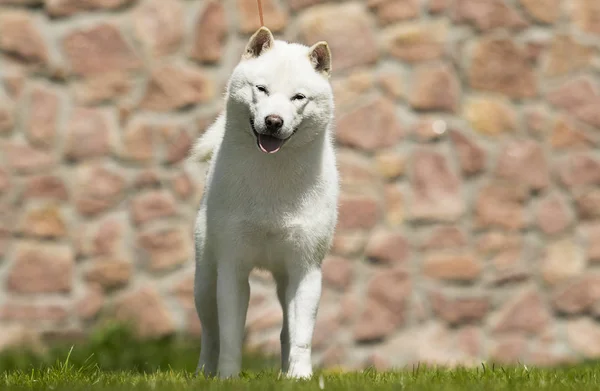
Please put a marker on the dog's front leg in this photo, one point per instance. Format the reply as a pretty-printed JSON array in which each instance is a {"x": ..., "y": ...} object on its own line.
[
  {"x": 303, "y": 294},
  {"x": 233, "y": 294}
]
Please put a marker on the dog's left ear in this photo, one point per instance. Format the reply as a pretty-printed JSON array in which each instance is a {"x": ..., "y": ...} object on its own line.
[
  {"x": 320, "y": 56},
  {"x": 261, "y": 41}
]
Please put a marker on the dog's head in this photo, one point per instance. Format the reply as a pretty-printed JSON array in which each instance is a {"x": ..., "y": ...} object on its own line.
[{"x": 284, "y": 91}]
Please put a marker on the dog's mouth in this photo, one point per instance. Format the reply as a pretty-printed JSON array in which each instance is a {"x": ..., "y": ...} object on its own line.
[{"x": 266, "y": 143}]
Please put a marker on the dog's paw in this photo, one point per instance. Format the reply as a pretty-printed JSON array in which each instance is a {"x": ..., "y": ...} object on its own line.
[
  {"x": 228, "y": 373},
  {"x": 226, "y": 376},
  {"x": 300, "y": 372}
]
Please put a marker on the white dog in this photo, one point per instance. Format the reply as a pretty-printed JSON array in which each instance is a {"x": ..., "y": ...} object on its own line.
[{"x": 270, "y": 200}]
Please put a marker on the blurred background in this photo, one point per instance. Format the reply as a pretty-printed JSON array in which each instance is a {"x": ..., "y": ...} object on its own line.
[{"x": 469, "y": 224}]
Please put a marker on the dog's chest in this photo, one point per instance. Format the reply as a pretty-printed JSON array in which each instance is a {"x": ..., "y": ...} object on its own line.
[
  {"x": 269, "y": 216},
  {"x": 269, "y": 245},
  {"x": 272, "y": 234}
]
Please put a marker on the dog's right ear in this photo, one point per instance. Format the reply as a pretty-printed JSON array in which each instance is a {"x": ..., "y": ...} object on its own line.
[{"x": 259, "y": 42}]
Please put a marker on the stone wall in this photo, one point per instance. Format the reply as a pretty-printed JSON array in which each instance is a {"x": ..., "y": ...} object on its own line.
[{"x": 470, "y": 213}]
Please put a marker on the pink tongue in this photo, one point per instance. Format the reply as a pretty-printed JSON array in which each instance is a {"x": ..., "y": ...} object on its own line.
[{"x": 269, "y": 144}]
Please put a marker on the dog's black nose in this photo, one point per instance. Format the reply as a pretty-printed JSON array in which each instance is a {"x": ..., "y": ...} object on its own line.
[{"x": 273, "y": 122}]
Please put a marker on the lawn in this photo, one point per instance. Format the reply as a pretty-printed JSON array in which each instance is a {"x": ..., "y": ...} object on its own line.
[{"x": 114, "y": 360}]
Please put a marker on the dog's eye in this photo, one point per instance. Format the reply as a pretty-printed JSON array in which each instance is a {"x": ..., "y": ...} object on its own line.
[
  {"x": 262, "y": 89},
  {"x": 298, "y": 97}
]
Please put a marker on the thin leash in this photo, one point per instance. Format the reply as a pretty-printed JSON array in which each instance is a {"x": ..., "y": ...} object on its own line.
[{"x": 260, "y": 13}]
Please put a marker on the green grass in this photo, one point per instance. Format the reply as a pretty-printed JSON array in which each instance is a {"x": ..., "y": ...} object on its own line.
[
  {"x": 114, "y": 348},
  {"x": 113, "y": 359},
  {"x": 69, "y": 377}
]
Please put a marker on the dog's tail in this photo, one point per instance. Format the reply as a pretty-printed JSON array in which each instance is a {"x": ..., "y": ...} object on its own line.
[{"x": 204, "y": 147}]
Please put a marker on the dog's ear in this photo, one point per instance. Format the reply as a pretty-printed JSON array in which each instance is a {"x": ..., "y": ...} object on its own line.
[
  {"x": 320, "y": 56},
  {"x": 259, "y": 42}
]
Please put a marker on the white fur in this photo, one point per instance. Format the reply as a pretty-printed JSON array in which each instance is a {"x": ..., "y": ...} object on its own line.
[
  {"x": 204, "y": 147},
  {"x": 272, "y": 211}
]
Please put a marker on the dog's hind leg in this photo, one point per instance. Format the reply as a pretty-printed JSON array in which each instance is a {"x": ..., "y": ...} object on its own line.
[
  {"x": 205, "y": 295},
  {"x": 282, "y": 283}
]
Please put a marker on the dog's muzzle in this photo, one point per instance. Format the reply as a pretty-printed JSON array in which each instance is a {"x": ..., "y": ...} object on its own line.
[{"x": 268, "y": 143}]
